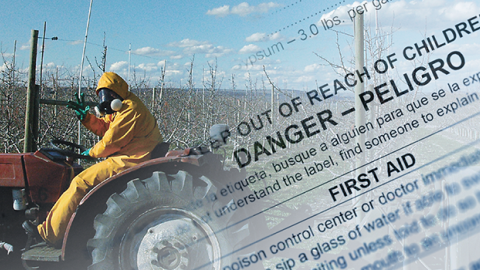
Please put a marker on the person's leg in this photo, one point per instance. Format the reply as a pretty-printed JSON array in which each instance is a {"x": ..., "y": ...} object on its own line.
[{"x": 53, "y": 228}]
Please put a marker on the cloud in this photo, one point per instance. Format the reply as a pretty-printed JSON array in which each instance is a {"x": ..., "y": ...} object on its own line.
[
  {"x": 458, "y": 11},
  {"x": 50, "y": 67},
  {"x": 245, "y": 9},
  {"x": 204, "y": 48},
  {"x": 149, "y": 51},
  {"x": 76, "y": 42},
  {"x": 187, "y": 43},
  {"x": 7, "y": 55},
  {"x": 152, "y": 70},
  {"x": 191, "y": 47},
  {"x": 410, "y": 14},
  {"x": 220, "y": 11},
  {"x": 469, "y": 49},
  {"x": 254, "y": 68},
  {"x": 173, "y": 69},
  {"x": 242, "y": 9},
  {"x": 218, "y": 51},
  {"x": 304, "y": 79},
  {"x": 312, "y": 67},
  {"x": 250, "y": 48},
  {"x": 173, "y": 72},
  {"x": 237, "y": 67},
  {"x": 276, "y": 36},
  {"x": 259, "y": 37},
  {"x": 118, "y": 66},
  {"x": 473, "y": 65},
  {"x": 148, "y": 67}
]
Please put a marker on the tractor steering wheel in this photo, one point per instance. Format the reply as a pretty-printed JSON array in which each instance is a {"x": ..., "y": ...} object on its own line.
[{"x": 69, "y": 149}]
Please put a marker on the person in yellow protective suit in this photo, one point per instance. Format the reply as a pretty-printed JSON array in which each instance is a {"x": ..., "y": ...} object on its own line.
[{"x": 129, "y": 133}]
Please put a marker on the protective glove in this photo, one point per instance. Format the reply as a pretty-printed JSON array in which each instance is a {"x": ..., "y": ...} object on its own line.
[
  {"x": 7, "y": 247},
  {"x": 80, "y": 109},
  {"x": 86, "y": 152}
]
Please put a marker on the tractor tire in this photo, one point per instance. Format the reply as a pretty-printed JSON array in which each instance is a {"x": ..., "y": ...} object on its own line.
[{"x": 164, "y": 222}]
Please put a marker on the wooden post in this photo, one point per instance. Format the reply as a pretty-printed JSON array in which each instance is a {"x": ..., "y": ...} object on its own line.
[{"x": 30, "y": 122}]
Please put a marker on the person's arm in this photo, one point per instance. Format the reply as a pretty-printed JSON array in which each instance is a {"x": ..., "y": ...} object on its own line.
[
  {"x": 120, "y": 133},
  {"x": 91, "y": 122},
  {"x": 96, "y": 125}
]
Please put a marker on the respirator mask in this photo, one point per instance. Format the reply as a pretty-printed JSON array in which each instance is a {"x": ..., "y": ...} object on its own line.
[{"x": 110, "y": 102}]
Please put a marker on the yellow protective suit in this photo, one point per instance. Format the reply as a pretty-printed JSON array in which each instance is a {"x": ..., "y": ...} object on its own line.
[{"x": 128, "y": 137}]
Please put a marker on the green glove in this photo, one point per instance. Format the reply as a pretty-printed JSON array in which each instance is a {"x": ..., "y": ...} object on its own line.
[
  {"x": 86, "y": 152},
  {"x": 80, "y": 109}
]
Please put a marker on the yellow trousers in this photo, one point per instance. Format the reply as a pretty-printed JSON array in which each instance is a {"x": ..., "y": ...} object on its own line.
[{"x": 53, "y": 228}]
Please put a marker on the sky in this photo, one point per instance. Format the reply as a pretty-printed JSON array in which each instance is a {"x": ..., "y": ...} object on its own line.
[{"x": 284, "y": 39}]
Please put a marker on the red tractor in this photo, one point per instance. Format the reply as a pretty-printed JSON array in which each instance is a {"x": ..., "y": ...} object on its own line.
[{"x": 156, "y": 215}]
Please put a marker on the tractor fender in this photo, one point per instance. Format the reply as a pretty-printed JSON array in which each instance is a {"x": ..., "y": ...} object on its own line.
[{"x": 80, "y": 228}]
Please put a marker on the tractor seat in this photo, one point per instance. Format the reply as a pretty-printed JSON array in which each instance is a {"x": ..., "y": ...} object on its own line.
[{"x": 160, "y": 150}]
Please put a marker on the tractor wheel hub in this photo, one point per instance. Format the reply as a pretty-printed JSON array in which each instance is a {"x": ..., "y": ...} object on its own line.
[{"x": 164, "y": 246}]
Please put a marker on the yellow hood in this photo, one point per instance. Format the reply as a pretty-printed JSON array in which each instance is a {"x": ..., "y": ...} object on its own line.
[{"x": 113, "y": 82}]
